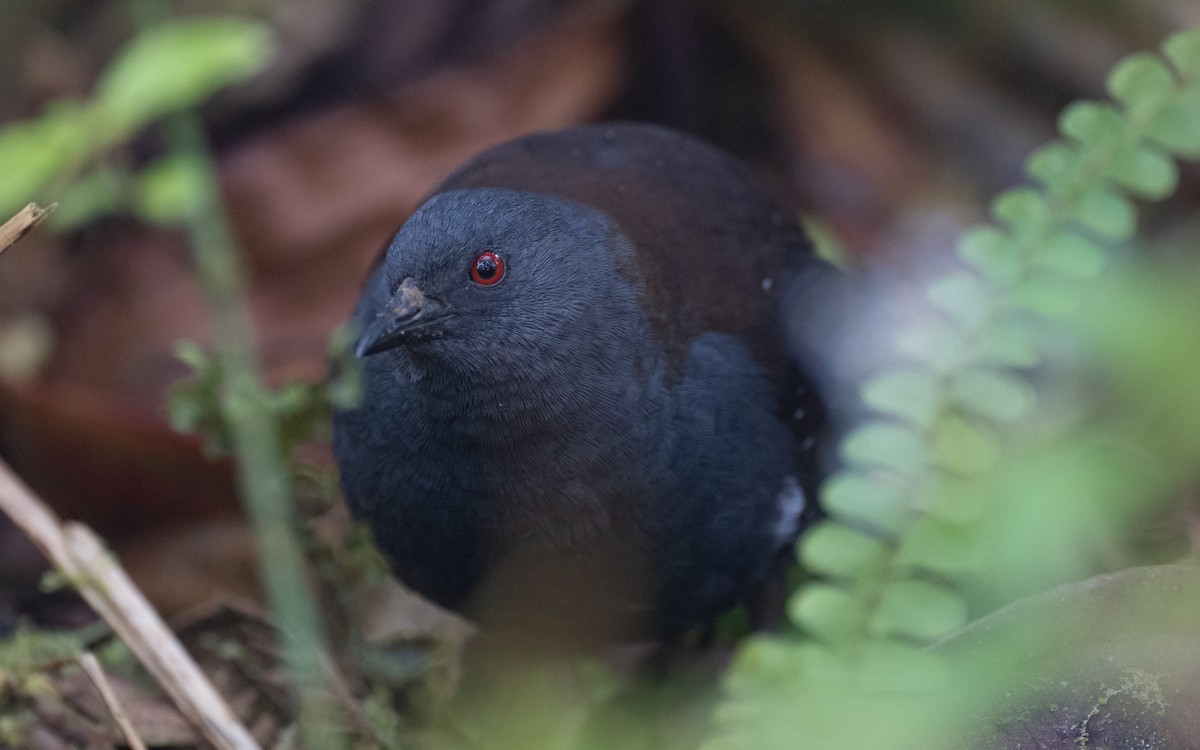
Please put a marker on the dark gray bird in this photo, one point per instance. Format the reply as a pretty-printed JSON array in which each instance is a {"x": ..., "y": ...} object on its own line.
[{"x": 579, "y": 413}]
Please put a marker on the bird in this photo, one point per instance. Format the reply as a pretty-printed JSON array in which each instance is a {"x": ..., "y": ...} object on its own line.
[{"x": 584, "y": 413}]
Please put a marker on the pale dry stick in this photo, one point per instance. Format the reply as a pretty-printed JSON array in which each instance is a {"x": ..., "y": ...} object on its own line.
[
  {"x": 18, "y": 226},
  {"x": 76, "y": 551},
  {"x": 91, "y": 667}
]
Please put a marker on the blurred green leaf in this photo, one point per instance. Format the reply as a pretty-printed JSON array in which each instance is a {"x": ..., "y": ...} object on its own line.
[
  {"x": 830, "y": 614},
  {"x": 886, "y": 445},
  {"x": 964, "y": 296},
  {"x": 1070, "y": 254},
  {"x": 952, "y": 499},
  {"x": 1107, "y": 213},
  {"x": 1143, "y": 335},
  {"x": 1047, "y": 295},
  {"x": 1175, "y": 125},
  {"x": 993, "y": 394},
  {"x": 1142, "y": 83},
  {"x": 34, "y": 152},
  {"x": 871, "y": 500},
  {"x": 904, "y": 668},
  {"x": 99, "y": 193},
  {"x": 964, "y": 448},
  {"x": 176, "y": 66},
  {"x": 170, "y": 188},
  {"x": 909, "y": 394},
  {"x": 1024, "y": 211},
  {"x": 770, "y": 662},
  {"x": 1046, "y": 514},
  {"x": 1145, "y": 171},
  {"x": 918, "y": 609},
  {"x": 993, "y": 252},
  {"x": 815, "y": 712},
  {"x": 837, "y": 550},
  {"x": 191, "y": 354},
  {"x": 1095, "y": 125},
  {"x": 934, "y": 343},
  {"x": 194, "y": 404},
  {"x": 1058, "y": 165},
  {"x": 935, "y": 546},
  {"x": 1012, "y": 342},
  {"x": 201, "y": 404},
  {"x": 1183, "y": 50}
]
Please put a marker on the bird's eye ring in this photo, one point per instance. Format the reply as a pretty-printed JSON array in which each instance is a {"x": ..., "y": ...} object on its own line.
[{"x": 487, "y": 268}]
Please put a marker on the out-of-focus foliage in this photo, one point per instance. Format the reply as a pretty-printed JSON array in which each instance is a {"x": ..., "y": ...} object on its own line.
[
  {"x": 969, "y": 483},
  {"x": 23, "y": 656},
  {"x": 65, "y": 153},
  {"x": 303, "y": 410}
]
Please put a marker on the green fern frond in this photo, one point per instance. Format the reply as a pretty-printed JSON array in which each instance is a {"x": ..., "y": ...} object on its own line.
[{"x": 903, "y": 526}]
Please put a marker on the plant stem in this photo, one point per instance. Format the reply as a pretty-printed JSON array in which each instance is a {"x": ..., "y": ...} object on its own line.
[{"x": 262, "y": 466}]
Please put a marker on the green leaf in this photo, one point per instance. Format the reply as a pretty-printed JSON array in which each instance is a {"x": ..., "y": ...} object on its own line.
[
  {"x": 170, "y": 188},
  {"x": 995, "y": 253},
  {"x": 918, "y": 609},
  {"x": 935, "y": 546},
  {"x": 1107, "y": 213},
  {"x": 194, "y": 356},
  {"x": 1183, "y": 50},
  {"x": 954, "y": 500},
  {"x": 885, "y": 445},
  {"x": 1048, "y": 296},
  {"x": 1072, "y": 255},
  {"x": 830, "y": 614},
  {"x": 902, "y": 669},
  {"x": 176, "y": 66},
  {"x": 964, "y": 296},
  {"x": 34, "y": 152},
  {"x": 964, "y": 449},
  {"x": 835, "y": 549},
  {"x": 1058, "y": 165},
  {"x": 873, "y": 500},
  {"x": 1142, "y": 84},
  {"x": 993, "y": 394},
  {"x": 1024, "y": 211},
  {"x": 758, "y": 658},
  {"x": 908, "y": 394},
  {"x": 1144, "y": 170},
  {"x": 936, "y": 343},
  {"x": 1175, "y": 125},
  {"x": 1011, "y": 343},
  {"x": 194, "y": 404},
  {"x": 97, "y": 194},
  {"x": 1096, "y": 125}
]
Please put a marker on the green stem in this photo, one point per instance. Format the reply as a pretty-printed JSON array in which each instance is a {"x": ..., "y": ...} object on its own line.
[{"x": 262, "y": 466}]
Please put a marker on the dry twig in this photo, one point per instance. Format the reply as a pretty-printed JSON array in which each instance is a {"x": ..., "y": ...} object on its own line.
[
  {"x": 18, "y": 226},
  {"x": 91, "y": 667},
  {"x": 76, "y": 551}
]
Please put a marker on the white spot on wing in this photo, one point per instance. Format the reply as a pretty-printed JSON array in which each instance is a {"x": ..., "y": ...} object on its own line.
[{"x": 790, "y": 502}]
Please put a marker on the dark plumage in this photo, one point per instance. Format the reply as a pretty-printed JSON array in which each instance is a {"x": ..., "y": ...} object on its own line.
[{"x": 578, "y": 412}]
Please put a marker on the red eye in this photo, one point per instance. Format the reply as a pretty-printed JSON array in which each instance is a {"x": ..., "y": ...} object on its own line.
[{"x": 487, "y": 268}]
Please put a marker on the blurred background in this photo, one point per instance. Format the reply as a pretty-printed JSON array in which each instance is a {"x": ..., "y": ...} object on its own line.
[{"x": 888, "y": 126}]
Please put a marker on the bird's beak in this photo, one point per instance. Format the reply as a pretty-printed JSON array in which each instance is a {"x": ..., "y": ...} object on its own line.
[{"x": 409, "y": 315}]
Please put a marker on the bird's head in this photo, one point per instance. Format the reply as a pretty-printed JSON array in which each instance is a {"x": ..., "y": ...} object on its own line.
[{"x": 487, "y": 278}]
